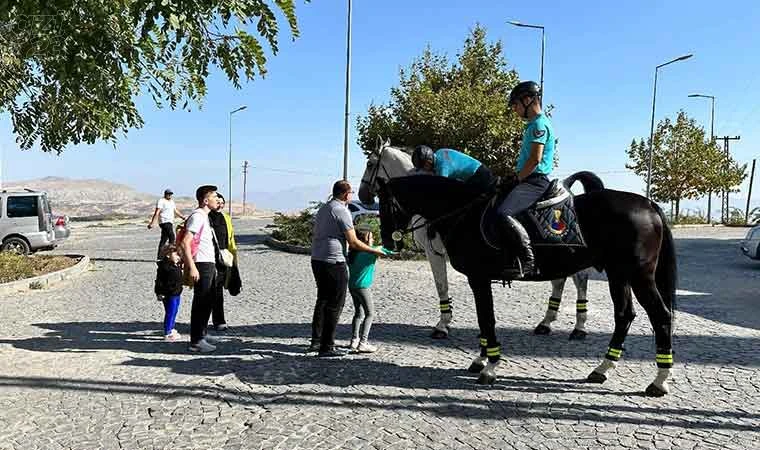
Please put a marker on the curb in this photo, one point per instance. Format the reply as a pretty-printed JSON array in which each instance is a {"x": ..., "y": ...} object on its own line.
[
  {"x": 285, "y": 247},
  {"x": 49, "y": 279}
]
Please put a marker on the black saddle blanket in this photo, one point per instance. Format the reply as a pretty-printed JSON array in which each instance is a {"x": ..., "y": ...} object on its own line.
[{"x": 549, "y": 223}]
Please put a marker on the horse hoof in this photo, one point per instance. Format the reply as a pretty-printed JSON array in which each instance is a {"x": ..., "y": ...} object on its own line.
[
  {"x": 542, "y": 330},
  {"x": 438, "y": 334},
  {"x": 596, "y": 378},
  {"x": 578, "y": 335},
  {"x": 654, "y": 391},
  {"x": 476, "y": 367},
  {"x": 485, "y": 379}
]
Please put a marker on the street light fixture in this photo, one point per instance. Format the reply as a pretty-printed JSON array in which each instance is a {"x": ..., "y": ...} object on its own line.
[
  {"x": 712, "y": 136},
  {"x": 543, "y": 44},
  {"x": 229, "y": 175},
  {"x": 651, "y": 131}
]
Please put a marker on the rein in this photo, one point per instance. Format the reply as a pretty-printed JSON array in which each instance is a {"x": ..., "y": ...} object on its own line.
[{"x": 399, "y": 234}]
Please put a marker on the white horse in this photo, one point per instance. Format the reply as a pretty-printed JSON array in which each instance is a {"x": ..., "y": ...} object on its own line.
[{"x": 388, "y": 162}]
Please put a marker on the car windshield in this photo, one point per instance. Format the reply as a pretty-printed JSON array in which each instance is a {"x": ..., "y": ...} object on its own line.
[{"x": 754, "y": 233}]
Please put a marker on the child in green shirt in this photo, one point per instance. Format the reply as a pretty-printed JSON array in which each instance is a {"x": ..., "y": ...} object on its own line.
[{"x": 361, "y": 266}]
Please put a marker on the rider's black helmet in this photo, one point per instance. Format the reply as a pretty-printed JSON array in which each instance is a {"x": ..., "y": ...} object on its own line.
[
  {"x": 422, "y": 154},
  {"x": 522, "y": 90}
]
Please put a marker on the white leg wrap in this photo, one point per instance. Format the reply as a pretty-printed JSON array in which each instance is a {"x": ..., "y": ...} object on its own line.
[
  {"x": 580, "y": 321},
  {"x": 605, "y": 366},
  {"x": 661, "y": 380},
  {"x": 490, "y": 368}
]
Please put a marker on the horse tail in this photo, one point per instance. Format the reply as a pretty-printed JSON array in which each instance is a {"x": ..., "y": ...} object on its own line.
[
  {"x": 589, "y": 180},
  {"x": 666, "y": 274}
]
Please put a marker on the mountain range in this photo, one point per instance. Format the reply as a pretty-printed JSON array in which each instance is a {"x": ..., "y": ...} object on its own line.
[{"x": 82, "y": 198}]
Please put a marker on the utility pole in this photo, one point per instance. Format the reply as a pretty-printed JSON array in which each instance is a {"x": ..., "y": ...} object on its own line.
[
  {"x": 245, "y": 182},
  {"x": 749, "y": 195},
  {"x": 724, "y": 203}
]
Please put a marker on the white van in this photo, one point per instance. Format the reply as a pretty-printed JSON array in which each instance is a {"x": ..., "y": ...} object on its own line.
[{"x": 26, "y": 223}]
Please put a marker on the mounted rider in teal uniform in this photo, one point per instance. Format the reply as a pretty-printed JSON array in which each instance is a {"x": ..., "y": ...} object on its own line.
[
  {"x": 451, "y": 163},
  {"x": 534, "y": 165}
]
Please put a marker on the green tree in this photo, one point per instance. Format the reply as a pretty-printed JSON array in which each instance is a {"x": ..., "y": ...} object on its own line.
[
  {"x": 461, "y": 105},
  {"x": 685, "y": 164},
  {"x": 70, "y": 70}
]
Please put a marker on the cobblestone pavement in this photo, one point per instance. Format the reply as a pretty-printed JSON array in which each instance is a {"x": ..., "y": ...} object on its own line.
[{"x": 83, "y": 366}]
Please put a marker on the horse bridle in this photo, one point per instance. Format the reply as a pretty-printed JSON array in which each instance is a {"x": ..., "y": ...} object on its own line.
[{"x": 373, "y": 176}]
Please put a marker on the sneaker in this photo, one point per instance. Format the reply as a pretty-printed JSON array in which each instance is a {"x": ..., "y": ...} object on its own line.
[
  {"x": 366, "y": 347},
  {"x": 170, "y": 338},
  {"x": 202, "y": 346},
  {"x": 221, "y": 327},
  {"x": 354, "y": 344},
  {"x": 175, "y": 334},
  {"x": 211, "y": 339},
  {"x": 313, "y": 348}
]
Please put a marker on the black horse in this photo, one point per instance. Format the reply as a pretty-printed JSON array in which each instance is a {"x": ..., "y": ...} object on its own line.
[{"x": 625, "y": 235}]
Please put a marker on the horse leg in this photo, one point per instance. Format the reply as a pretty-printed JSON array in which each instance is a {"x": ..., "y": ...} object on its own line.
[
  {"x": 661, "y": 319},
  {"x": 544, "y": 327},
  {"x": 490, "y": 350},
  {"x": 581, "y": 306},
  {"x": 620, "y": 291},
  {"x": 437, "y": 263}
]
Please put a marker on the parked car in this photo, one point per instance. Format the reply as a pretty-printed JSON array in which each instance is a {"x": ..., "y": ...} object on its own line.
[
  {"x": 750, "y": 246},
  {"x": 359, "y": 209},
  {"x": 26, "y": 222},
  {"x": 61, "y": 228}
]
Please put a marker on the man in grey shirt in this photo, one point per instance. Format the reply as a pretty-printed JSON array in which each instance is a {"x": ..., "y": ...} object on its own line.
[{"x": 333, "y": 231}]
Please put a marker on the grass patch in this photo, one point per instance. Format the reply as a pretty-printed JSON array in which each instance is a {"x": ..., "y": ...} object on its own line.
[{"x": 15, "y": 267}]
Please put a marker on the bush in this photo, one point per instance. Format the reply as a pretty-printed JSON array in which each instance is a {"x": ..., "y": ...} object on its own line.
[
  {"x": 689, "y": 218},
  {"x": 15, "y": 267},
  {"x": 296, "y": 230}
]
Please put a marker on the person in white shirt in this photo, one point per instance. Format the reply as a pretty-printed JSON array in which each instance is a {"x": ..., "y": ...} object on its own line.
[{"x": 165, "y": 212}]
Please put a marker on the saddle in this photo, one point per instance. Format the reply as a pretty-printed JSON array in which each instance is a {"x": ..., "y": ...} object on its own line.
[{"x": 551, "y": 221}]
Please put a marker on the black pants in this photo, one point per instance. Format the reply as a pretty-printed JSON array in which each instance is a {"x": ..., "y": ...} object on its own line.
[
  {"x": 482, "y": 179},
  {"x": 167, "y": 235},
  {"x": 203, "y": 300},
  {"x": 332, "y": 283},
  {"x": 217, "y": 309}
]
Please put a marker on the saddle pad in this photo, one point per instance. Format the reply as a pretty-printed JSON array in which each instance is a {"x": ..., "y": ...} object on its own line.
[{"x": 553, "y": 225}]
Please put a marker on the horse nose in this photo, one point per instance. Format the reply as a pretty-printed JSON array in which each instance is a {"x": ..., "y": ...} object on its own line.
[{"x": 365, "y": 194}]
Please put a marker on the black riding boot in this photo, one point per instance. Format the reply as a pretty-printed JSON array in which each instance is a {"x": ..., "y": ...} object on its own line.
[{"x": 515, "y": 233}]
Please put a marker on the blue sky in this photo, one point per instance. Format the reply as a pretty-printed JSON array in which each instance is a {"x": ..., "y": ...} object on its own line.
[{"x": 599, "y": 68}]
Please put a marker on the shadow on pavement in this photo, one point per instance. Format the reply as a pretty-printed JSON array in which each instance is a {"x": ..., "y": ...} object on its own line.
[{"x": 145, "y": 337}]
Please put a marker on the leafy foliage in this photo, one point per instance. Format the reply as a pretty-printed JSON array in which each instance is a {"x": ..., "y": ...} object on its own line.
[
  {"x": 17, "y": 267},
  {"x": 686, "y": 165},
  {"x": 296, "y": 229},
  {"x": 71, "y": 69},
  {"x": 461, "y": 105}
]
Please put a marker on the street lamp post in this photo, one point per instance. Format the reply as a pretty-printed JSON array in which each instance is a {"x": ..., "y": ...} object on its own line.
[
  {"x": 348, "y": 94},
  {"x": 229, "y": 175},
  {"x": 651, "y": 131},
  {"x": 712, "y": 136},
  {"x": 543, "y": 45}
]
